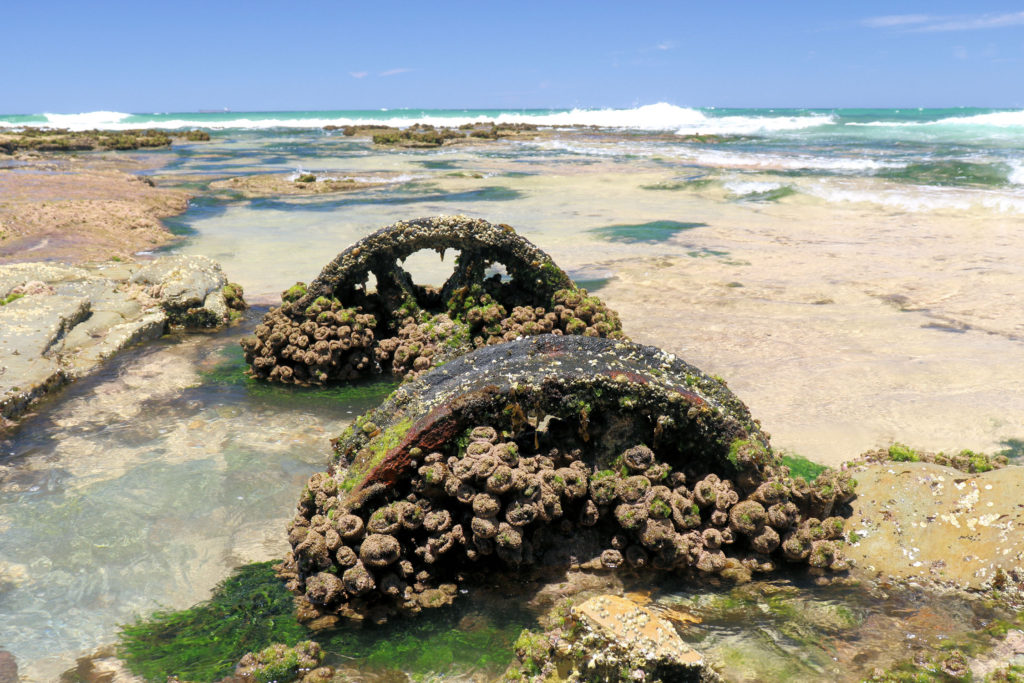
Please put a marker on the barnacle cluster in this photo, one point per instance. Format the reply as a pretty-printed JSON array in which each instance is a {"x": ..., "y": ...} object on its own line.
[
  {"x": 338, "y": 330},
  {"x": 626, "y": 480}
]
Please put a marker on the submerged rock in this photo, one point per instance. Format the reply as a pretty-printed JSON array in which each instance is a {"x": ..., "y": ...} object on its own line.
[
  {"x": 516, "y": 458},
  {"x": 607, "y": 638},
  {"x": 282, "y": 664},
  {"x": 8, "y": 668},
  {"x": 58, "y": 322},
  {"x": 338, "y": 329}
]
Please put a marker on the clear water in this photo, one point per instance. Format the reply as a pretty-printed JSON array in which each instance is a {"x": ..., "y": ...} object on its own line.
[{"x": 143, "y": 485}]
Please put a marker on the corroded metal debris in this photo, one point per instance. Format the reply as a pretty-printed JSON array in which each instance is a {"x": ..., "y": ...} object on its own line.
[
  {"x": 550, "y": 451},
  {"x": 338, "y": 329}
]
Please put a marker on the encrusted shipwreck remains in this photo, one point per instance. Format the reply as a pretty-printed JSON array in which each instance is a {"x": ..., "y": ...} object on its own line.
[
  {"x": 557, "y": 452},
  {"x": 338, "y": 329}
]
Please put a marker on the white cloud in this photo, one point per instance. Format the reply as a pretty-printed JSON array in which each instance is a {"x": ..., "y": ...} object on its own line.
[
  {"x": 393, "y": 72},
  {"x": 896, "y": 20},
  {"x": 358, "y": 74},
  {"x": 960, "y": 52},
  {"x": 665, "y": 45},
  {"x": 925, "y": 23}
]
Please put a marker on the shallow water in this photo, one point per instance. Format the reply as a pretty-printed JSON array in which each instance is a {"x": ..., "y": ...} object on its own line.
[
  {"x": 821, "y": 275},
  {"x": 141, "y": 486}
]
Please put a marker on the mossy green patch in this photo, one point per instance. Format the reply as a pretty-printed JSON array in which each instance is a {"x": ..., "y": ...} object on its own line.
[
  {"x": 443, "y": 642},
  {"x": 378, "y": 447},
  {"x": 251, "y": 610},
  {"x": 799, "y": 466},
  {"x": 9, "y": 298},
  {"x": 248, "y": 611},
  {"x": 230, "y": 372},
  {"x": 902, "y": 453},
  {"x": 655, "y": 231}
]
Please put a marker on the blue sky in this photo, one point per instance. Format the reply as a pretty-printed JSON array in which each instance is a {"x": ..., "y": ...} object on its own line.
[{"x": 182, "y": 56}]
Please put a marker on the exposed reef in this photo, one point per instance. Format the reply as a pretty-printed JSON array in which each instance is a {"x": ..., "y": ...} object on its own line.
[
  {"x": 425, "y": 136},
  {"x": 932, "y": 525},
  {"x": 59, "y": 323},
  {"x": 338, "y": 329},
  {"x": 64, "y": 140},
  {"x": 550, "y": 451},
  {"x": 271, "y": 185},
  {"x": 77, "y": 208}
]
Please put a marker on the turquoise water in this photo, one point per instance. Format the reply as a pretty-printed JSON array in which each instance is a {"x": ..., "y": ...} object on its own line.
[{"x": 962, "y": 146}]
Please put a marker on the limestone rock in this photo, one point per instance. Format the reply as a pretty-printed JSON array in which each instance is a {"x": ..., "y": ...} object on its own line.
[
  {"x": 637, "y": 637},
  {"x": 931, "y": 524},
  {"x": 58, "y": 322},
  {"x": 184, "y": 281}
]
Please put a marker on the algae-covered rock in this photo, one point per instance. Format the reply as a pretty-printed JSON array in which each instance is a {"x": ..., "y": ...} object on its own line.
[
  {"x": 282, "y": 664},
  {"x": 608, "y": 638},
  {"x": 550, "y": 452},
  {"x": 59, "y": 322},
  {"x": 338, "y": 329}
]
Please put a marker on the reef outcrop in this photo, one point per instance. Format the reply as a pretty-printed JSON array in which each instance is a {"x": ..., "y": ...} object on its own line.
[
  {"x": 550, "y": 452},
  {"x": 339, "y": 329}
]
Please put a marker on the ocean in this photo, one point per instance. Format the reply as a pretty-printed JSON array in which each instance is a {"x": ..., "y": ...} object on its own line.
[{"x": 976, "y": 154}]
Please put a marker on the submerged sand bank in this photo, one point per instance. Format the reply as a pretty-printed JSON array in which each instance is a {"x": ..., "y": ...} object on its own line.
[{"x": 845, "y": 327}]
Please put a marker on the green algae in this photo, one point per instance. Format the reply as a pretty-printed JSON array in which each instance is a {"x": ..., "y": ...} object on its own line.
[
  {"x": 899, "y": 452},
  {"x": 772, "y": 195},
  {"x": 252, "y": 610},
  {"x": 231, "y": 368},
  {"x": 654, "y": 231},
  {"x": 950, "y": 173},
  {"x": 443, "y": 642},
  {"x": 248, "y": 611},
  {"x": 799, "y": 466},
  {"x": 11, "y": 297}
]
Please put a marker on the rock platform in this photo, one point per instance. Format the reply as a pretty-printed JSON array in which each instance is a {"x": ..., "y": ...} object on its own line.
[{"x": 60, "y": 322}]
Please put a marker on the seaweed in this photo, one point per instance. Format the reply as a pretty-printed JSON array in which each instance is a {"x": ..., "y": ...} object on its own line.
[
  {"x": 251, "y": 610},
  {"x": 248, "y": 611},
  {"x": 655, "y": 231},
  {"x": 799, "y": 466}
]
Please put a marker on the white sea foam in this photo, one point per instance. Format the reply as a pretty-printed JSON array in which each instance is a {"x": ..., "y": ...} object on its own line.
[
  {"x": 1016, "y": 175},
  {"x": 367, "y": 180},
  {"x": 999, "y": 119},
  {"x": 654, "y": 117},
  {"x": 751, "y": 125},
  {"x": 789, "y": 162},
  {"x": 919, "y": 198},
  {"x": 742, "y": 188},
  {"x": 86, "y": 121}
]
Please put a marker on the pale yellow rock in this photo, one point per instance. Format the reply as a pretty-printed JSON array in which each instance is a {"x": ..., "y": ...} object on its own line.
[
  {"x": 924, "y": 522},
  {"x": 625, "y": 623}
]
